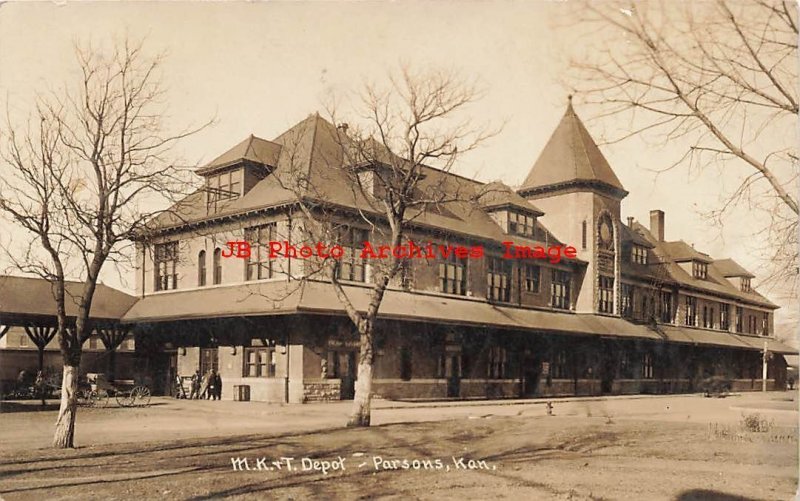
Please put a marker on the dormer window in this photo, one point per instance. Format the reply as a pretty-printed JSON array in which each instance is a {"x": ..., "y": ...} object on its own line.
[
  {"x": 520, "y": 224},
  {"x": 746, "y": 284},
  {"x": 638, "y": 254},
  {"x": 700, "y": 270},
  {"x": 224, "y": 186}
]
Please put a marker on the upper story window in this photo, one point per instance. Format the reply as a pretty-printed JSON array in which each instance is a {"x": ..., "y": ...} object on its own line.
[
  {"x": 691, "y": 311},
  {"x": 166, "y": 264},
  {"x": 532, "y": 278},
  {"x": 724, "y": 316},
  {"x": 606, "y": 291},
  {"x": 699, "y": 270},
  {"x": 626, "y": 300},
  {"x": 638, "y": 254},
  {"x": 259, "y": 265},
  {"x": 665, "y": 306},
  {"x": 765, "y": 325},
  {"x": 453, "y": 275},
  {"x": 201, "y": 268},
  {"x": 406, "y": 274},
  {"x": 224, "y": 186},
  {"x": 520, "y": 224},
  {"x": 499, "y": 279},
  {"x": 739, "y": 319},
  {"x": 352, "y": 266},
  {"x": 217, "y": 266},
  {"x": 746, "y": 284},
  {"x": 560, "y": 290}
]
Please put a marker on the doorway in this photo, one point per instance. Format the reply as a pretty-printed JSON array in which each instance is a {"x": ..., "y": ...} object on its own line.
[
  {"x": 344, "y": 368},
  {"x": 453, "y": 374}
]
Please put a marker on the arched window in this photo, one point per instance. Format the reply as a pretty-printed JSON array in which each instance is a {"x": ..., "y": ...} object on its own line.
[
  {"x": 201, "y": 268},
  {"x": 217, "y": 266}
]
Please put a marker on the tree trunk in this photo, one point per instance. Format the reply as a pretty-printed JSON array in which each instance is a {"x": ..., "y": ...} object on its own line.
[
  {"x": 361, "y": 402},
  {"x": 65, "y": 424}
]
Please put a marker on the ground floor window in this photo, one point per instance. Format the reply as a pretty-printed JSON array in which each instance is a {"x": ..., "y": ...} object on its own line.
[
  {"x": 559, "y": 368},
  {"x": 405, "y": 363},
  {"x": 259, "y": 362},
  {"x": 647, "y": 366},
  {"x": 497, "y": 362}
]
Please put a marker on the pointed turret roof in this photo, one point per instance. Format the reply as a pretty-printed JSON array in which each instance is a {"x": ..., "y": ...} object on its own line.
[{"x": 571, "y": 157}]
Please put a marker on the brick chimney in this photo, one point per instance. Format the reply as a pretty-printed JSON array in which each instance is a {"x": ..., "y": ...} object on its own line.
[
  {"x": 657, "y": 224},
  {"x": 630, "y": 221}
]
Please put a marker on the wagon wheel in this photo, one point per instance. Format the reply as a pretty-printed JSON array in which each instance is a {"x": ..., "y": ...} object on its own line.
[
  {"x": 124, "y": 398},
  {"x": 140, "y": 396},
  {"x": 100, "y": 398}
]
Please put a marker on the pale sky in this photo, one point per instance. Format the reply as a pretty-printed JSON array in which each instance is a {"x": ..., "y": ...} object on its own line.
[{"x": 260, "y": 67}]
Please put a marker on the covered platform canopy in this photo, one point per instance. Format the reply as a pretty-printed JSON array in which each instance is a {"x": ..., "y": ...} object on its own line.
[{"x": 281, "y": 298}]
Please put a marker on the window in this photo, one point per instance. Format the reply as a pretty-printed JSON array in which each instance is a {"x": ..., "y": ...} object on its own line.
[
  {"x": 745, "y": 284},
  {"x": 259, "y": 265},
  {"x": 705, "y": 317},
  {"x": 453, "y": 275},
  {"x": 638, "y": 254},
  {"x": 583, "y": 234},
  {"x": 626, "y": 300},
  {"x": 499, "y": 279},
  {"x": 559, "y": 368},
  {"x": 691, "y": 311},
  {"x": 225, "y": 186},
  {"x": 665, "y": 305},
  {"x": 739, "y": 319},
  {"x": 352, "y": 266},
  {"x": 23, "y": 341},
  {"x": 765, "y": 325},
  {"x": 520, "y": 224},
  {"x": 724, "y": 320},
  {"x": 497, "y": 363},
  {"x": 532, "y": 278},
  {"x": 406, "y": 274},
  {"x": 699, "y": 270},
  {"x": 751, "y": 324},
  {"x": 259, "y": 362},
  {"x": 606, "y": 289},
  {"x": 217, "y": 266},
  {"x": 559, "y": 290},
  {"x": 647, "y": 366},
  {"x": 201, "y": 268},
  {"x": 166, "y": 263},
  {"x": 405, "y": 363}
]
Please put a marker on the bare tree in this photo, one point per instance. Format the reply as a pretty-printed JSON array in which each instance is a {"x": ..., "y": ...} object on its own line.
[
  {"x": 395, "y": 156},
  {"x": 80, "y": 180},
  {"x": 719, "y": 77}
]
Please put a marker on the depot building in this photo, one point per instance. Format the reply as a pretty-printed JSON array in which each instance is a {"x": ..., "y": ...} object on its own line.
[{"x": 628, "y": 312}]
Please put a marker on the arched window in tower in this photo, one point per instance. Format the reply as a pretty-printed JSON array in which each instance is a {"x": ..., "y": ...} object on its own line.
[
  {"x": 217, "y": 266},
  {"x": 201, "y": 268},
  {"x": 583, "y": 234}
]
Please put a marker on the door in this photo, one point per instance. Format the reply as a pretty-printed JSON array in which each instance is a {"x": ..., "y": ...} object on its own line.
[
  {"x": 453, "y": 374},
  {"x": 347, "y": 373},
  {"x": 209, "y": 359},
  {"x": 532, "y": 371}
]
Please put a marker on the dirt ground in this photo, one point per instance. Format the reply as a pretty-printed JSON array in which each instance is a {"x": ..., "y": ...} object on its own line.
[{"x": 588, "y": 450}]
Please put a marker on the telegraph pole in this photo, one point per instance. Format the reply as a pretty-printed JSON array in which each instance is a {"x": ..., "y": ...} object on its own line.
[{"x": 764, "y": 367}]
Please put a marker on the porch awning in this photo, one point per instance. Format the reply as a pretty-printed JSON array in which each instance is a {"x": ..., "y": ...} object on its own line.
[{"x": 726, "y": 339}]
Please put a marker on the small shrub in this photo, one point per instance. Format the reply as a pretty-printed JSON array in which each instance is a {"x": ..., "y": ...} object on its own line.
[{"x": 755, "y": 423}]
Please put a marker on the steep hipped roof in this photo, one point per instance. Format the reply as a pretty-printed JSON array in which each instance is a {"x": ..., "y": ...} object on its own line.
[
  {"x": 253, "y": 149},
  {"x": 571, "y": 156},
  {"x": 730, "y": 268},
  {"x": 33, "y": 297}
]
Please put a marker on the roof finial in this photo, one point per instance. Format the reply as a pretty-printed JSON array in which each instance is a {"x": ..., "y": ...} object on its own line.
[{"x": 569, "y": 103}]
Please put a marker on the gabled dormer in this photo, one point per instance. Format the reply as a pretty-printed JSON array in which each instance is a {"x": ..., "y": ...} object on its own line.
[
  {"x": 232, "y": 174},
  {"x": 692, "y": 261},
  {"x": 510, "y": 211},
  {"x": 735, "y": 274}
]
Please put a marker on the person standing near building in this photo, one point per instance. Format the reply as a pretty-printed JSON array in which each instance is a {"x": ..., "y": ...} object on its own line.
[
  {"x": 205, "y": 385},
  {"x": 195, "y": 394},
  {"x": 217, "y": 387}
]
